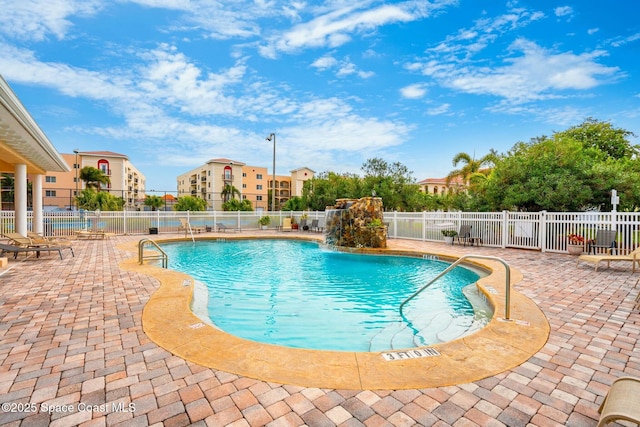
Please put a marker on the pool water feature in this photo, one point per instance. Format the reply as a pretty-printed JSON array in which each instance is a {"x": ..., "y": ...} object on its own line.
[{"x": 299, "y": 294}]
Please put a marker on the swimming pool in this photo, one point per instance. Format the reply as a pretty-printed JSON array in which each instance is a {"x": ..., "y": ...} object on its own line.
[{"x": 299, "y": 294}]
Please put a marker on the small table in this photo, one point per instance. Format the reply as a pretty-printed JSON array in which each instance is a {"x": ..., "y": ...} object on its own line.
[{"x": 475, "y": 240}]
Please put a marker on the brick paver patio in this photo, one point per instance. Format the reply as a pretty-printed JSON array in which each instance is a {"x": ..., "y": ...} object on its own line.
[{"x": 72, "y": 352}]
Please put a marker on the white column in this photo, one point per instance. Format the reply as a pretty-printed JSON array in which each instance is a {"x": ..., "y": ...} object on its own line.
[
  {"x": 38, "y": 216},
  {"x": 20, "y": 198}
]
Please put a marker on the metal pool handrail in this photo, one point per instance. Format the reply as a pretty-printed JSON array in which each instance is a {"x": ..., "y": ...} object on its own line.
[
  {"x": 161, "y": 256},
  {"x": 507, "y": 309}
]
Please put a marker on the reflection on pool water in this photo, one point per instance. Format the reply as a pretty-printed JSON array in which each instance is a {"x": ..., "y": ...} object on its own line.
[{"x": 300, "y": 294}]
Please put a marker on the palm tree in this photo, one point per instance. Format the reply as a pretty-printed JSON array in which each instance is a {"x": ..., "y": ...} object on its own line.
[
  {"x": 93, "y": 177},
  {"x": 228, "y": 192},
  {"x": 154, "y": 202},
  {"x": 472, "y": 168}
]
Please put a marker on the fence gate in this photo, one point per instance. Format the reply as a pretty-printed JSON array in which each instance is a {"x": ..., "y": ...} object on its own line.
[{"x": 522, "y": 230}]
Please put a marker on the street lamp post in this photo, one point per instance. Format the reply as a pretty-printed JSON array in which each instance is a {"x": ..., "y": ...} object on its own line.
[
  {"x": 273, "y": 183},
  {"x": 76, "y": 168}
]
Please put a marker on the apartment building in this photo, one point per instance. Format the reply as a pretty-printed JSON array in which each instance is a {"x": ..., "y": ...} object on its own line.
[
  {"x": 440, "y": 185},
  {"x": 209, "y": 181},
  {"x": 126, "y": 181}
]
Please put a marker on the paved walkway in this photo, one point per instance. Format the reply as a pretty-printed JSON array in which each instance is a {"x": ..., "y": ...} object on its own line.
[{"x": 72, "y": 352}]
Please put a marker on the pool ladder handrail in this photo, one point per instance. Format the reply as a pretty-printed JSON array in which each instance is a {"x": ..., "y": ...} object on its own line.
[
  {"x": 162, "y": 255},
  {"x": 507, "y": 309}
]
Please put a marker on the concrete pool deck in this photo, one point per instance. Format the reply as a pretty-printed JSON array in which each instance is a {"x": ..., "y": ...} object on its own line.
[{"x": 72, "y": 338}]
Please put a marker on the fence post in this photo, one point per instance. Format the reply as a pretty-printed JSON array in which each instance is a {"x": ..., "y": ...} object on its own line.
[
  {"x": 124, "y": 222},
  {"x": 395, "y": 224},
  {"x": 424, "y": 226},
  {"x": 542, "y": 232},
  {"x": 505, "y": 229}
]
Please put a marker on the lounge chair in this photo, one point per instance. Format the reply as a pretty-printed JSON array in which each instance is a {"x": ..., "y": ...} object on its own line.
[
  {"x": 187, "y": 228},
  {"x": 314, "y": 225},
  {"x": 37, "y": 239},
  {"x": 633, "y": 256},
  {"x": 621, "y": 402},
  {"x": 91, "y": 234},
  {"x": 37, "y": 249},
  {"x": 605, "y": 239},
  {"x": 223, "y": 228},
  {"x": 18, "y": 239}
]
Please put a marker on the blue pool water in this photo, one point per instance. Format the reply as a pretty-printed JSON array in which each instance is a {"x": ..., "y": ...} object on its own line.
[{"x": 299, "y": 294}]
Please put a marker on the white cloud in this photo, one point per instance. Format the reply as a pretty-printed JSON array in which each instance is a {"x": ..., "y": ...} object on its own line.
[
  {"x": 436, "y": 111},
  {"x": 563, "y": 11},
  {"x": 325, "y": 62},
  {"x": 592, "y": 31},
  {"x": 344, "y": 67},
  {"x": 414, "y": 91},
  {"x": 337, "y": 26},
  {"x": 39, "y": 19},
  {"x": 529, "y": 73}
]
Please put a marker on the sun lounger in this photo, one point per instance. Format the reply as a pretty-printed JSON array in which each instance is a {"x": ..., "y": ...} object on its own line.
[
  {"x": 223, "y": 228},
  {"x": 188, "y": 228},
  {"x": 597, "y": 259},
  {"x": 37, "y": 249},
  {"x": 91, "y": 235},
  {"x": 286, "y": 224},
  {"x": 621, "y": 403},
  {"x": 39, "y": 240},
  {"x": 18, "y": 239}
]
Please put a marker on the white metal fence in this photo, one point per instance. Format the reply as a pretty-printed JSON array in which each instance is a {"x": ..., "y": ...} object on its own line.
[{"x": 546, "y": 231}]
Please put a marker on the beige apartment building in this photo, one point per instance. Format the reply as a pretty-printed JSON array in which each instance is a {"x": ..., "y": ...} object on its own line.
[
  {"x": 126, "y": 181},
  {"x": 440, "y": 185},
  {"x": 208, "y": 182}
]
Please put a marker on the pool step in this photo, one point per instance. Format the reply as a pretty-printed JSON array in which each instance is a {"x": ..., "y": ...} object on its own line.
[{"x": 426, "y": 329}]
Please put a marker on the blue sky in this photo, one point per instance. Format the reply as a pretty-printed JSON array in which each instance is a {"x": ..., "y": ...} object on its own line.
[{"x": 173, "y": 83}]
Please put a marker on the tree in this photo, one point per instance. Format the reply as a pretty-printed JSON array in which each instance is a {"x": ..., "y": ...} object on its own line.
[
  {"x": 592, "y": 133},
  {"x": 392, "y": 182},
  {"x": 91, "y": 200},
  {"x": 228, "y": 192},
  {"x": 558, "y": 174},
  {"x": 237, "y": 205},
  {"x": 295, "y": 203},
  {"x": 154, "y": 202},
  {"x": 190, "y": 203},
  {"x": 472, "y": 169},
  {"x": 93, "y": 177}
]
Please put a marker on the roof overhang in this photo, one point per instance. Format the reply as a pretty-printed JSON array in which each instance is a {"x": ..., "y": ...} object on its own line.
[{"x": 21, "y": 139}]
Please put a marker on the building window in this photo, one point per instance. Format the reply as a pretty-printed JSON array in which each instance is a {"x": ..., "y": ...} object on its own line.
[
  {"x": 244, "y": 185},
  {"x": 244, "y": 174},
  {"x": 259, "y": 187},
  {"x": 103, "y": 165},
  {"x": 259, "y": 198},
  {"x": 50, "y": 179},
  {"x": 259, "y": 176},
  {"x": 50, "y": 193}
]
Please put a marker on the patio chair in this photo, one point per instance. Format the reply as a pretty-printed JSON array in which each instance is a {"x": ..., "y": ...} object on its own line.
[
  {"x": 621, "y": 402},
  {"x": 188, "y": 228},
  {"x": 286, "y": 224},
  {"x": 464, "y": 235},
  {"x": 38, "y": 239},
  {"x": 223, "y": 228},
  {"x": 605, "y": 239},
  {"x": 633, "y": 256},
  {"x": 18, "y": 239},
  {"x": 37, "y": 249}
]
